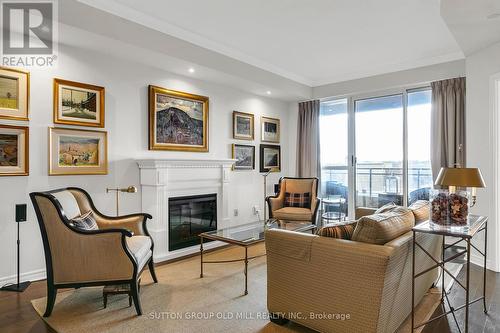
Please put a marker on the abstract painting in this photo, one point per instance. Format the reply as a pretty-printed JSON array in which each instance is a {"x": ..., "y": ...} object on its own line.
[
  {"x": 14, "y": 153},
  {"x": 270, "y": 131},
  {"x": 14, "y": 94},
  {"x": 177, "y": 120},
  {"x": 270, "y": 158},
  {"x": 245, "y": 157},
  {"x": 77, "y": 152},
  {"x": 243, "y": 126},
  {"x": 78, "y": 103}
]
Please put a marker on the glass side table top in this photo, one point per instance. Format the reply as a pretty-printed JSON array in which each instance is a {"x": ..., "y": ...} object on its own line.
[
  {"x": 254, "y": 232},
  {"x": 474, "y": 224}
]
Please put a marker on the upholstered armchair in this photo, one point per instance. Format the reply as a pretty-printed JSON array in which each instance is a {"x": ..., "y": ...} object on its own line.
[
  {"x": 278, "y": 208},
  {"x": 114, "y": 254}
]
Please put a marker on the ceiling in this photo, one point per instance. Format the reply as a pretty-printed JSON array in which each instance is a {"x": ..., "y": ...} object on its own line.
[{"x": 310, "y": 42}]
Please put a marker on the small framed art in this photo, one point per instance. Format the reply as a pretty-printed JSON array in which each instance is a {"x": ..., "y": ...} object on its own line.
[
  {"x": 270, "y": 129},
  {"x": 243, "y": 126},
  {"x": 270, "y": 158},
  {"x": 78, "y": 103},
  {"x": 14, "y": 150},
  {"x": 77, "y": 152},
  {"x": 14, "y": 94},
  {"x": 245, "y": 157}
]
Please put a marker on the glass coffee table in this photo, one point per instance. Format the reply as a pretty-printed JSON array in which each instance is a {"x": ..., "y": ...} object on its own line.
[{"x": 246, "y": 235}]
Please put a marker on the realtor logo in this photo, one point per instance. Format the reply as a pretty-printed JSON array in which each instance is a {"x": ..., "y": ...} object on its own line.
[{"x": 28, "y": 33}]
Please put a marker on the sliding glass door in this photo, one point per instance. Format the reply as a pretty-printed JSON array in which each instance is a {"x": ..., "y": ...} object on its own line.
[
  {"x": 375, "y": 150},
  {"x": 379, "y": 151}
]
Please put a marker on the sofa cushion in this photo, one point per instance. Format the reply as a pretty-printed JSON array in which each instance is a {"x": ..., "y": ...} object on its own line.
[
  {"x": 85, "y": 222},
  {"x": 302, "y": 200},
  {"x": 68, "y": 203},
  {"x": 335, "y": 230},
  {"x": 386, "y": 208},
  {"x": 384, "y": 227},
  {"x": 140, "y": 246},
  {"x": 293, "y": 213},
  {"x": 421, "y": 210}
]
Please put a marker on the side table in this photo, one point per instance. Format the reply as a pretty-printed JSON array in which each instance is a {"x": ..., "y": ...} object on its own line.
[{"x": 475, "y": 225}]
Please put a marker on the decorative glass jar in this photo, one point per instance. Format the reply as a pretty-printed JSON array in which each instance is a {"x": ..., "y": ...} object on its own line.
[
  {"x": 458, "y": 207},
  {"x": 439, "y": 206}
]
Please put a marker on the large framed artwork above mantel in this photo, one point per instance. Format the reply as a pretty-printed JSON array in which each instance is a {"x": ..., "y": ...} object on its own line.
[{"x": 162, "y": 179}]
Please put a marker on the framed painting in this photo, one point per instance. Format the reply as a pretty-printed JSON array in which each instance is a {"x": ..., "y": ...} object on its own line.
[
  {"x": 177, "y": 120},
  {"x": 77, "y": 152},
  {"x": 245, "y": 157},
  {"x": 14, "y": 94},
  {"x": 14, "y": 150},
  {"x": 270, "y": 131},
  {"x": 243, "y": 126},
  {"x": 78, "y": 103},
  {"x": 270, "y": 158}
]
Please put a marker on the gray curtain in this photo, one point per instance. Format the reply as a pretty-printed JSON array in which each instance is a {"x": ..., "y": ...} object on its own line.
[
  {"x": 447, "y": 124},
  {"x": 308, "y": 157}
]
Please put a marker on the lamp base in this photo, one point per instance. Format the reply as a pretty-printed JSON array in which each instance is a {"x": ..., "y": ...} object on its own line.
[{"x": 17, "y": 287}]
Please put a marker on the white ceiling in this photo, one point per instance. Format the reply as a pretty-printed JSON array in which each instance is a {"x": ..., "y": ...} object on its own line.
[{"x": 313, "y": 42}]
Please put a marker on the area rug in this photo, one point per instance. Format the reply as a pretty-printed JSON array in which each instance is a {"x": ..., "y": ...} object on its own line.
[{"x": 182, "y": 302}]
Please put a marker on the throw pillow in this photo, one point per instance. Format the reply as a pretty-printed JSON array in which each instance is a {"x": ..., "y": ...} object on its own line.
[
  {"x": 85, "y": 222},
  {"x": 421, "y": 210},
  {"x": 335, "y": 230},
  {"x": 302, "y": 200},
  {"x": 386, "y": 208},
  {"x": 384, "y": 227}
]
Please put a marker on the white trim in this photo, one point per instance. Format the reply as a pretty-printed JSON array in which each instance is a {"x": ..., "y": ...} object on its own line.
[
  {"x": 495, "y": 186},
  {"x": 184, "y": 163},
  {"x": 35, "y": 275}
]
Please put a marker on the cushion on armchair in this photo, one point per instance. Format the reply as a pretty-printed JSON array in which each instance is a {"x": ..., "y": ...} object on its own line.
[
  {"x": 293, "y": 213},
  {"x": 335, "y": 230},
  {"x": 85, "y": 222},
  {"x": 68, "y": 203},
  {"x": 302, "y": 200}
]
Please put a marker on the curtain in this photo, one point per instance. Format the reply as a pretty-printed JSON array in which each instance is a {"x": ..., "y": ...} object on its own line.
[
  {"x": 308, "y": 150},
  {"x": 447, "y": 124}
]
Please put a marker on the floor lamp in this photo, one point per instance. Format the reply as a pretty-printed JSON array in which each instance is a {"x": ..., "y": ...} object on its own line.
[
  {"x": 265, "y": 187},
  {"x": 130, "y": 189}
]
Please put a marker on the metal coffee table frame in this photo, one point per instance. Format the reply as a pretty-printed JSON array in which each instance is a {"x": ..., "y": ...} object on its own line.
[
  {"x": 245, "y": 244},
  {"x": 481, "y": 224}
]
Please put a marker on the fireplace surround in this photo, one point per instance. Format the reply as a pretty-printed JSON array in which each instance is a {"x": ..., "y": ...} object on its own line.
[{"x": 163, "y": 179}]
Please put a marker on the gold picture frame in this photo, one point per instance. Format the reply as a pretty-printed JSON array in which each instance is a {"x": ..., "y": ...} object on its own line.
[
  {"x": 193, "y": 109},
  {"x": 77, "y": 103},
  {"x": 243, "y": 126},
  {"x": 14, "y": 94},
  {"x": 270, "y": 129},
  {"x": 14, "y": 150},
  {"x": 77, "y": 152}
]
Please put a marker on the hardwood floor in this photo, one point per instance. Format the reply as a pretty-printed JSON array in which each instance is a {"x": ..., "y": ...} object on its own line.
[{"x": 18, "y": 316}]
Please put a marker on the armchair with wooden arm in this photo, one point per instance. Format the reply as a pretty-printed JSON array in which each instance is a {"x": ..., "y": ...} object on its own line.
[{"x": 116, "y": 253}]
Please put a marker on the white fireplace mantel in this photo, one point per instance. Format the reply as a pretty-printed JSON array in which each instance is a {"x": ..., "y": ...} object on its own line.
[{"x": 162, "y": 179}]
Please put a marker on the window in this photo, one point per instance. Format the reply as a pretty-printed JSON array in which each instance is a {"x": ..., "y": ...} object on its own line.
[{"x": 375, "y": 150}]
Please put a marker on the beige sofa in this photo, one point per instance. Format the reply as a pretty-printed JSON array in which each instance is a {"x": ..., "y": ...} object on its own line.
[{"x": 335, "y": 285}]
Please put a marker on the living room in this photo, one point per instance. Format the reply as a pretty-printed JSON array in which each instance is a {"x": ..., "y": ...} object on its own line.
[{"x": 270, "y": 166}]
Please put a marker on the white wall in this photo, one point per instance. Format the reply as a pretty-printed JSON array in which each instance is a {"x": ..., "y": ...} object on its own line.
[
  {"x": 126, "y": 84},
  {"x": 482, "y": 134}
]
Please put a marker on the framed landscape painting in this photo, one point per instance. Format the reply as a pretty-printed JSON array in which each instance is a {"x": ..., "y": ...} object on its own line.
[
  {"x": 78, "y": 103},
  {"x": 14, "y": 94},
  {"x": 270, "y": 158},
  {"x": 14, "y": 150},
  {"x": 243, "y": 126},
  {"x": 270, "y": 131},
  {"x": 177, "y": 120},
  {"x": 77, "y": 152},
  {"x": 245, "y": 157}
]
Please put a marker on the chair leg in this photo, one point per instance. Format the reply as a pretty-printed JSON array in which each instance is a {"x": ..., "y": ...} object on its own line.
[
  {"x": 51, "y": 300},
  {"x": 134, "y": 289},
  {"x": 152, "y": 270}
]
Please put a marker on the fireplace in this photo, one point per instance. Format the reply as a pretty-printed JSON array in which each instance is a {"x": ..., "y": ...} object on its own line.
[{"x": 188, "y": 216}]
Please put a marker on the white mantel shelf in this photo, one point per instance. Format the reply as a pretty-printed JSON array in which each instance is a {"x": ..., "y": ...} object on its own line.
[
  {"x": 162, "y": 179},
  {"x": 184, "y": 163}
]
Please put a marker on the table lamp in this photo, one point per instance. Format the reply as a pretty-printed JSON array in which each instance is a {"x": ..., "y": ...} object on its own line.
[{"x": 461, "y": 178}]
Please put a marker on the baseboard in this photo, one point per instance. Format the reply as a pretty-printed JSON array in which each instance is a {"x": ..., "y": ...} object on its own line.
[
  {"x": 478, "y": 260},
  {"x": 36, "y": 275}
]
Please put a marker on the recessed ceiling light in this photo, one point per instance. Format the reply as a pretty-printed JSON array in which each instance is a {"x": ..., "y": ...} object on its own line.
[
  {"x": 268, "y": 92},
  {"x": 493, "y": 16},
  {"x": 191, "y": 70}
]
